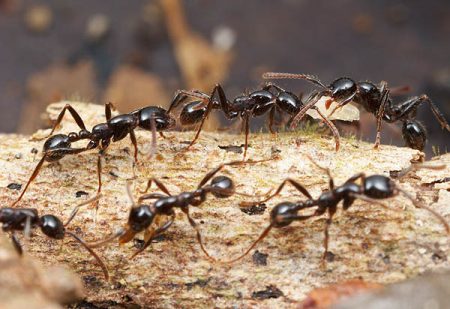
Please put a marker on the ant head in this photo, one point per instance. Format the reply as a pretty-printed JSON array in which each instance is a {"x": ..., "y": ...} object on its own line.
[
  {"x": 6, "y": 215},
  {"x": 342, "y": 88},
  {"x": 222, "y": 186},
  {"x": 414, "y": 134},
  {"x": 379, "y": 187},
  {"x": 162, "y": 120},
  {"x": 140, "y": 218},
  {"x": 52, "y": 226},
  {"x": 282, "y": 214}
]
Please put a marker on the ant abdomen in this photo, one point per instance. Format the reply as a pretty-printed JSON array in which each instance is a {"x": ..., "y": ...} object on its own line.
[
  {"x": 342, "y": 88},
  {"x": 378, "y": 187},
  {"x": 52, "y": 226},
  {"x": 192, "y": 113},
  {"x": 225, "y": 186},
  {"x": 414, "y": 134},
  {"x": 56, "y": 142},
  {"x": 282, "y": 214}
]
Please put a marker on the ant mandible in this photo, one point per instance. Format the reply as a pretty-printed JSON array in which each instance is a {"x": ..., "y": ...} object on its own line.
[
  {"x": 372, "y": 189},
  {"x": 114, "y": 129},
  {"x": 142, "y": 215},
  {"x": 374, "y": 99},
  {"x": 257, "y": 103},
  {"x": 25, "y": 219}
]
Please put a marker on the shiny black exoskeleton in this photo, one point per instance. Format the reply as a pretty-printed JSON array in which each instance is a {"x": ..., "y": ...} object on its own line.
[
  {"x": 25, "y": 219},
  {"x": 376, "y": 100},
  {"x": 372, "y": 189},
  {"x": 269, "y": 99},
  {"x": 144, "y": 217},
  {"x": 114, "y": 129}
]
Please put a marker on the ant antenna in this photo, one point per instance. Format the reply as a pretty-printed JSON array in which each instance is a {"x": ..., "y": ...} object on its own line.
[
  {"x": 92, "y": 252},
  {"x": 101, "y": 243},
  {"x": 253, "y": 245},
  {"x": 417, "y": 166},
  {"x": 310, "y": 78},
  {"x": 77, "y": 208},
  {"x": 130, "y": 194}
]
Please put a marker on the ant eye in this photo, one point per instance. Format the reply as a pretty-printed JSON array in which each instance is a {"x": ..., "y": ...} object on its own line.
[{"x": 342, "y": 88}]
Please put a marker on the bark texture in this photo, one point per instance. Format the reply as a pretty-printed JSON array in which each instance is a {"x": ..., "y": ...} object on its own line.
[{"x": 367, "y": 242}]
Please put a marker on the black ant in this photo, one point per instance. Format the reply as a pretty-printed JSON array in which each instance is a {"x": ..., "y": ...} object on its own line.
[
  {"x": 374, "y": 99},
  {"x": 372, "y": 189},
  {"x": 25, "y": 219},
  {"x": 256, "y": 103},
  {"x": 114, "y": 129},
  {"x": 143, "y": 215}
]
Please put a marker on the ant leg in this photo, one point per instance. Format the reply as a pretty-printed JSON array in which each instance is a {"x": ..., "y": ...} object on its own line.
[
  {"x": 299, "y": 116},
  {"x": 32, "y": 177},
  {"x": 134, "y": 142},
  {"x": 412, "y": 104},
  {"x": 332, "y": 127},
  {"x": 371, "y": 200},
  {"x": 92, "y": 252},
  {"x": 223, "y": 103},
  {"x": 355, "y": 177},
  {"x": 108, "y": 108},
  {"x": 271, "y": 117},
  {"x": 325, "y": 169},
  {"x": 297, "y": 186},
  {"x": 151, "y": 196},
  {"x": 77, "y": 208},
  {"x": 197, "y": 230},
  {"x": 269, "y": 85},
  {"x": 331, "y": 212},
  {"x": 16, "y": 244},
  {"x": 159, "y": 184},
  {"x": 310, "y": 78},
  {"x": 417, "y": 204},
  {"x": 75, "y": 116},
  {"x": 181, "y": 96},
  {"x": 149, "y": 236},
  {"x": 247, "y": 131},
  {"x": 384, "y": 99}
]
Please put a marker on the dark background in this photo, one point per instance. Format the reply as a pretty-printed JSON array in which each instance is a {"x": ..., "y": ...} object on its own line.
[{"x": 402, "y": 42}]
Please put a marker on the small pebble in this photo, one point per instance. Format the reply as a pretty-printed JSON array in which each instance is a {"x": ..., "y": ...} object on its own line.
[{"x": 14, "y": 186}]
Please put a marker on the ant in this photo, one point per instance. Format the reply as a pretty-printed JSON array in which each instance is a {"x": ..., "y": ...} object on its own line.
[
  {"x": 376, "y": 100},
  {"x": 24, "y": 219},
  {"x": 269, "y": 99},
  {"x": 372, "y": 189},
  {"x": 142, "y": 215},
  {"x": 114, "y": 129}
]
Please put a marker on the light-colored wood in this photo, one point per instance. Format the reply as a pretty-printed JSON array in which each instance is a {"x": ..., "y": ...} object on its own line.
[{"x": 368, "y": 241}]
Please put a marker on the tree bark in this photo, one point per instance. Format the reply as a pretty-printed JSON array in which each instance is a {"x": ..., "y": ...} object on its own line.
[{"x": 367, "y": 241}]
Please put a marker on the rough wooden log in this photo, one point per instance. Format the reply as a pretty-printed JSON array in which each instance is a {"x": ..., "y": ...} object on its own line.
[{"x": 367, "y": 241}]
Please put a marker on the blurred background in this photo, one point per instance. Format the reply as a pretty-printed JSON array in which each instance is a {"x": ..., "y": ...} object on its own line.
[{"x": 137, "y": 53}]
